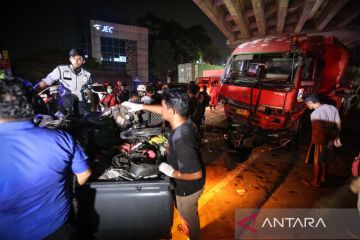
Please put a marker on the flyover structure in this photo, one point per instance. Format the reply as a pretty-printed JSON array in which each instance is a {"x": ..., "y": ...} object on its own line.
[{"x": 244, "y": 20}]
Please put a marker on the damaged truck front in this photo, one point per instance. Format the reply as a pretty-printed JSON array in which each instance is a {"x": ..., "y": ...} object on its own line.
[{"x": 265, "y": 80}]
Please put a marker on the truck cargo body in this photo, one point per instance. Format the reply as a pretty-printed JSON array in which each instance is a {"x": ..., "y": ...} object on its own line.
[{"x": 190, "y": 71}]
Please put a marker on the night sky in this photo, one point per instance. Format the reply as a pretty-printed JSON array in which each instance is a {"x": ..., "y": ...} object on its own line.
[{"x": 30, "y": 26}]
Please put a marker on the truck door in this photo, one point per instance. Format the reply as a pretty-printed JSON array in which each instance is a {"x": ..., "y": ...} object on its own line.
[{"x": 308, "y": 80}]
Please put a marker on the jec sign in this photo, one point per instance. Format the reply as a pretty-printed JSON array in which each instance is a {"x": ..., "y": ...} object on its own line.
[{"x": 104, "y": 28}]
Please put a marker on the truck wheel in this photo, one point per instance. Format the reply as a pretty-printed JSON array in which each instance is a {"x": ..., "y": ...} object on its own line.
[
  {"x": 354, "y": 104},
  {"x": 298, "y": 127},
  {"x": 228, "y": 137},
  {"x": 296, "y": 131},
  {"x": 229, "y": 124},
  {"x": 343, "y": 111}
]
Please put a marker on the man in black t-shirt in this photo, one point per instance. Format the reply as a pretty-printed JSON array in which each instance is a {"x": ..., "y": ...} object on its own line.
[
  {"x": 205, "y": 101},
  {"x": 184, "y": 164}
]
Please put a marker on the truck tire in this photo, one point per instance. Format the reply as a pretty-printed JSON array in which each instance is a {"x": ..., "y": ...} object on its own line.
[
  {"x": 343, "y": 111},
  {"x": 227, "y": 136},
  {"x": 299, "y": 128},
  {"x": 229, "y": 124},
  {"x": 296, "y": 126},
  {"x": 354, "y": 105}
]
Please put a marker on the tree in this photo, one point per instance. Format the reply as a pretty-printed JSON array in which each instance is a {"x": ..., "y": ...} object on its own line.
[
  {"x": 211, "y": 54},
  {"x": 187, "y": 44},
  {"x": 163, "y": 57},
  {"x": 198, "y": 35}
]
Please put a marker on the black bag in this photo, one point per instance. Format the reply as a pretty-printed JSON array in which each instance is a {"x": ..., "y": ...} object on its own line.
[{"x": 137, "y": 163}]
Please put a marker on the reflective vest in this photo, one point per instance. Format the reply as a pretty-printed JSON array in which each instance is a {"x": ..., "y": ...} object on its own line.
[{"x": 70, "y": 83}]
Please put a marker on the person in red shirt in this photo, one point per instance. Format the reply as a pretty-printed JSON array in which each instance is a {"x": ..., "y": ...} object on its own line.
[
  {"x": 109, "y": 100},
  {"x": 122, "y": 94}
]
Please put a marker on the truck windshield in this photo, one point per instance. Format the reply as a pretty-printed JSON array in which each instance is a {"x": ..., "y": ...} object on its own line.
[{"x": 276, "y": 68}]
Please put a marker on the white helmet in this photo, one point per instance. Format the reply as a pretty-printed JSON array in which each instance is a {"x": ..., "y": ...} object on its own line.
[{"x": 141, "y": 88}]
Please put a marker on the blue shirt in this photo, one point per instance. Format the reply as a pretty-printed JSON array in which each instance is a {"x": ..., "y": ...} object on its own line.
[{"x": 34, "y": 163}]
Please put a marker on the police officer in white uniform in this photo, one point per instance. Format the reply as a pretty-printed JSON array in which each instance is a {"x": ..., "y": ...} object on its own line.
[{"x": 74, "y": 84}]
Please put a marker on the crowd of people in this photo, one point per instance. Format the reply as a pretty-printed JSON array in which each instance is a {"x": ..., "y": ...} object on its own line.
[
  {"x": 148, "y": 94},
  {"x": 200, "y": 100},
  {"x": 34, "y": 196},
  {"x": 34, "y": 200}
]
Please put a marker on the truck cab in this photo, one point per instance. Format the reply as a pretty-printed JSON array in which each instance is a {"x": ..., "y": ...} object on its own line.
[{"x": 265, "y": 80}]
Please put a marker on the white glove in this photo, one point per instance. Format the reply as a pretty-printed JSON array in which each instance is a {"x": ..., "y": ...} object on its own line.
[
  {"x": 133, "y": 107},
  {"x": 337, "y": 142},
  {"x": 167, "y": 169}
]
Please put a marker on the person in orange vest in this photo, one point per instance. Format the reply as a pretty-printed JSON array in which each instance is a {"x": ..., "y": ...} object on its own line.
[{"x": 213, "y": 96}]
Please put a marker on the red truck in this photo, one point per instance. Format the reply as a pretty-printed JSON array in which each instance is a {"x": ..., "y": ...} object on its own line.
[
  {"x": 264, "y": 82},
  {"x": 208, "y": 82}
]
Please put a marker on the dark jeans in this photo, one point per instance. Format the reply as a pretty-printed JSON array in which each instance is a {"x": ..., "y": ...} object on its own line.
[
  {"x": 188, "y": 210},
  {"x": 70, "y": 104}
]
